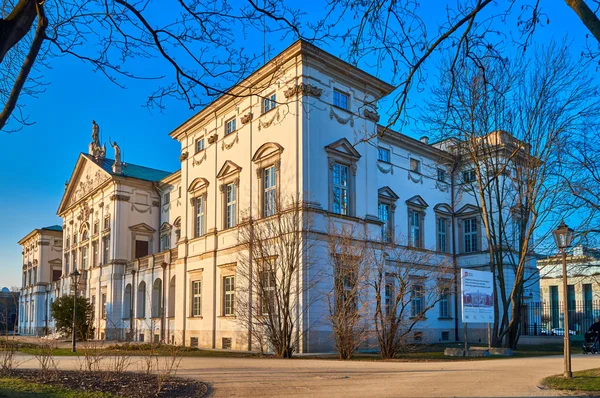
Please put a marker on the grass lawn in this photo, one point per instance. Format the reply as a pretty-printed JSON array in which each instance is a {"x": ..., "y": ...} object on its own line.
[
  {"x": 585, "y": 380},
  {"x": 13, "y": 387}
]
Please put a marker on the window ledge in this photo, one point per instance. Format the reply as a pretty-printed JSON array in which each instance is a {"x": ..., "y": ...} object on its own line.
[
  {"x": 445, "y": 318},
  {"x": 417, "y": 318},
  {"x": 270, "y": 110},
  {"x": 226, "y": 317},
  {"x": 343, "y": 109},
  {"x": 384, "y": 161},
  {"x": 195, "y": 317}
]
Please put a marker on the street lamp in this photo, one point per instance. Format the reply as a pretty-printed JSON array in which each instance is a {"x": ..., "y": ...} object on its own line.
[
  {"x": 563, "y": 236},
  {"x": 74, "y": 280}
]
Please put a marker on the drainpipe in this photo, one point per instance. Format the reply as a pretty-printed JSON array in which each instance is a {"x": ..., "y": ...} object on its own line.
[
  {"x": 454, "y": 259},
  {"x": 216, "y": 247},
  {"x": 162, "y": 312},
  {"x": 131, "y": 305}
]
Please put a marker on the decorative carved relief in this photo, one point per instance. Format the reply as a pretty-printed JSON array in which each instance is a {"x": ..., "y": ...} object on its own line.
[
  {"x": 340, "y": 119},
  {"x": 384, "y": 170},
  {"x": 371, "y": 115},
  {"x": 183, "y": 156},
  {"x": 122, "y": 198},
  {"x": 155, "y": 203},
  {"x": 417, "y": 179},
  {"x": 303, "y": 88},
  {"x": 200, "y": 160},
  {"x": 441, "y": 186},
  {"x": 213, "y": 138},
  {"x": 354, "y": 168},
  {"x": 246, "y": 118},
  {"x": 87, "y": 184},
  {"x": 225, "y": 146},
  {"x": 146, "y": 210},
  {"x": 268, "y": 123}
]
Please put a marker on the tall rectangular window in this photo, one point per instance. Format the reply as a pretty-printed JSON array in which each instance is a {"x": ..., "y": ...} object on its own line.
[
  {"x": 340, "y": 189},
  {"x": 442, "y": 234},
  {"x": 384, "y": 216},
  {"x": 84, "y": 257},
  {"x": 74, "y": 259},
  {"x": 196, "y": 298},
  {"x": 67, "y": 264},
  {"x": 341, "y": 100},
  {"x": 444, "y": 304},
  {"x": 107, "y": 222},
  {"x": 103, "y": 305},
  {"x": 415, "y": 228},
  {"x": 268, "y": 291},
  {"x": 230, "y": 206},
  {"x": 199, "y": 210},
  {"x": 105, "y": 249},
  {"x": 228, "y": 295},
  {"x": 417, "y": 300},
  {"x": 415, "y": 165},
  {"x": 383, "y": 155},
  {"x": 269, "y": 103},
  {"x": 390, "y": 297},
  {"x": 167, "y": 198},
  {"x": 470, "y": 234},
  {"x": 441, "y": 175},
  {"x": 554, "y": 307},
  {"x": 95, "y": 228},
  {"x": 587, "y": 303},
  {"x": 94, "y": 253},
  {"x": 230, "y": 126},
  {"x": 165, "y": 241},
  {"x": 469, "y": 176},
  {"x": 270, "y": 193}
]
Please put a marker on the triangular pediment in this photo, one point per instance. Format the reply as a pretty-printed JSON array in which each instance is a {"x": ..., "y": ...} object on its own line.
[
  {"x": 388, "y": 193},
  {"x": 443, "y": 208},
  {"x": 468, "y": 209},
  {"x": 228, "y": 169},
  {"x": 165, "y": 227},
  {"x": 142, "y": 227},
  {"x": 86, "y": 178},
  {"x": 343, "y": 147},
  {"x": 55, "y": 262},
  {"x": 418, "y": 201}
]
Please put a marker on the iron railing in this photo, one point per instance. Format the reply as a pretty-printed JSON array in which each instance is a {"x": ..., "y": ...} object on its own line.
[{"x": 547, "y": 318}]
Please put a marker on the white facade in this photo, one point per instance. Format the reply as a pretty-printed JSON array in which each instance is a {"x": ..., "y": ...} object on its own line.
[{"x": 156, "y": 263}]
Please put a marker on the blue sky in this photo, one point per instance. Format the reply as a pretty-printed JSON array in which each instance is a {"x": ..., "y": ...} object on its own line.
[{"x": 36, "y": 161}]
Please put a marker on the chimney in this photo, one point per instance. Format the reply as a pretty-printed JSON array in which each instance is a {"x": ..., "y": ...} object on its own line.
[{"x": 425, "y": 140}]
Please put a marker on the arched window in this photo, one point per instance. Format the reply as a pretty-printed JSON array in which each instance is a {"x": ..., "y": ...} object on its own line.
[
  {"x": 171, "y": 303},
  {"x": 127, "y": 302},
  {"x": 141, "y": 300},
  {"x": 157, "y": 298}
]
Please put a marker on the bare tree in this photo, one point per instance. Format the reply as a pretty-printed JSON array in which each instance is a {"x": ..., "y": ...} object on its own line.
[
  {"x": 348, "y": 299},
  {"x": 274, "y": 272},
  {"x": 508, "y": 122},
  {"x": 406, "y": 284}
]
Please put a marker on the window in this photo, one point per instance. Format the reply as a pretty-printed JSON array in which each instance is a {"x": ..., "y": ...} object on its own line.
[
  {"x": 442, "y": 235},
  {"x": 229, "y": 126},
  {"x": 469, "y": 176},
  {"x": 228, "y": 295},
  {"x": 444, "y": 304},
  {"x": 268, "y": 291},
  {"x": 230, "y": 206},
  {"x": 94, "y": 253},
  {"x": 67, "y": 264},
  {"x": 107, "y": 222},
  {"x": 167, "y": 198},
  {"x": 415, "y": 165},
  {"x": 269, "y": 194},
  {"x": 84, "y": 257},
  {"x": 103, "y": 305},
  {"x": 95, "y": 228},
  {"x": 32, "y": 310},
  {"x": 35, "y": 275},
  {"x": 340, "y": 99},
  {"x": 68, "y": 241},
  {"x": 390, "y": 297},
  {"x": 199, "y": 210},
  {"x": 93, "y": 302},
  {"x": 165, "y": 241},
  {"x": 385, "y": 217},
  {"x": 74, "y": 259},
  {"x": 415, "y": 231},
  {"x": 85, "y": 235},
  {"x": 383, "y": 155},
  {"x": 141, "y": 300},
  {"x": 179, "y": 189},
  {"x": 417, "y": 301},
  {"x": 340, "y": 189},
  {"x": 269, "y": 103},
  {"x": 196, "y": 298},
  {"x": 470, "y": 234},
  {"x": 199, "y": 144},
  {"x": 74, "y": 237},
  {"x": 441, "y": 175},
  {"x": 105, "y": 249},
  {"x": 517, "y": 234}
]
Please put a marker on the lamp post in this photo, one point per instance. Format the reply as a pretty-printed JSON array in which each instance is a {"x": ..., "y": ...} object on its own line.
[
  {"x": 563, "y": 236},
  {"x": 74, "y": 280}
]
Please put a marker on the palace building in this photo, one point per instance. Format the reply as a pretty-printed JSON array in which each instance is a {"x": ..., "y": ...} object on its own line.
[{"x": 158, "y": 251}]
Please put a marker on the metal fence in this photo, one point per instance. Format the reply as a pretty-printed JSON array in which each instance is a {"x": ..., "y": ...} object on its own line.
[{"x": 547, "y": 318}]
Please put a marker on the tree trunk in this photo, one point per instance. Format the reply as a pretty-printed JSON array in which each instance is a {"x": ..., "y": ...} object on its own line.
[
  {"x": 587, "y": 16},
  {"x": 18, "y": 23}
]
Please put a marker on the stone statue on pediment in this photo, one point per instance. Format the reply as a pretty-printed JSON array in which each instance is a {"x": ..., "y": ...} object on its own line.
[
  {"x": 117, "y": 151},
  {"x": 97, "y": 151}
]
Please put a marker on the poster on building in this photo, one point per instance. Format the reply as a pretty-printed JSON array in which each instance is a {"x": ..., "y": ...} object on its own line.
[{"x": 477, "y": 296}]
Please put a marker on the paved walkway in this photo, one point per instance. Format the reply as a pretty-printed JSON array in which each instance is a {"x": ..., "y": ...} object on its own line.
[{"x": 266, "y": 377}]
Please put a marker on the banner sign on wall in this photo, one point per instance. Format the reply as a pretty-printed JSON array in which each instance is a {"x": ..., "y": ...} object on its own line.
[{"x": 477, "y": 296}]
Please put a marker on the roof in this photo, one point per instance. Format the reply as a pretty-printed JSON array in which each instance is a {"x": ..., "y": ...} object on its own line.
[
  {"x": 53, "y": 228},
  {"x": 131, "y": 170}
]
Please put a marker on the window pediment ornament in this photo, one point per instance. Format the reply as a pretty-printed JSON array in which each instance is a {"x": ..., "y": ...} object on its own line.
[
  {"x": 183, "y": 156},
  {"x": 371, "y": 114},
  {"x": 443, "y": 208},
  {"x": 213, "y": 138},
  {"x": 198, "y": 184},
  {"x": 266, "y": 151},
  {"x": 228, "y": 169},
  {"x": 387, "y": 193},
  {"x": 142, "y": 227},
  {"x": 343, "y": 148},
  {"x": 303, "y": 89},
  {"x": 417, "y": 201},
  {"x": 165, "y": 227},
  {"x": 468, "y": 210},
  {"x": 341, "y": 120}
]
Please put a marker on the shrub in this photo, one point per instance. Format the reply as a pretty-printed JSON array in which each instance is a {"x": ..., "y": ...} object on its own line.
[{"x": 62, "y": 311}]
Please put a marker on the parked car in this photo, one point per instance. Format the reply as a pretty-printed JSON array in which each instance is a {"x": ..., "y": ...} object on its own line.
[
  {"x": 561, "y": 332},
  {"x": 545, "y": 332}
]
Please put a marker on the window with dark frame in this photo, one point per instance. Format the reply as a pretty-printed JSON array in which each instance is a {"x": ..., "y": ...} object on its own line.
[
  {"x": 267, "y": 295},
  {"x": 103, "y": 305},
  {"x": 341, "y": 100},
  {"x": 228, "y": 295},
  {"x": 441, "y": 175},
  {"x": 417, "y": 301},
  {"x": 469, "y": 176},
  {"x": 415, "y": 165},
  {"x": 270, "y": 191},
  {"x": 387, "y": 227},
  {"x": 199, "y": 144},
  {"x": 230, "y": 126},
  {"x": 230, "y": 205},
  {"x": 470, "y": 234},
  {"x": 415, "y": 228},
  {"x": 442, "y": 234},
  {"x": 199, "y": 206},
  {"x": 197, "y": 298},
  {"x": 340, "y": 189},
  {"x": 383, "y": 155},
  {"x": 269, "y": 103},
  {"x": 444, "y": 303}
]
